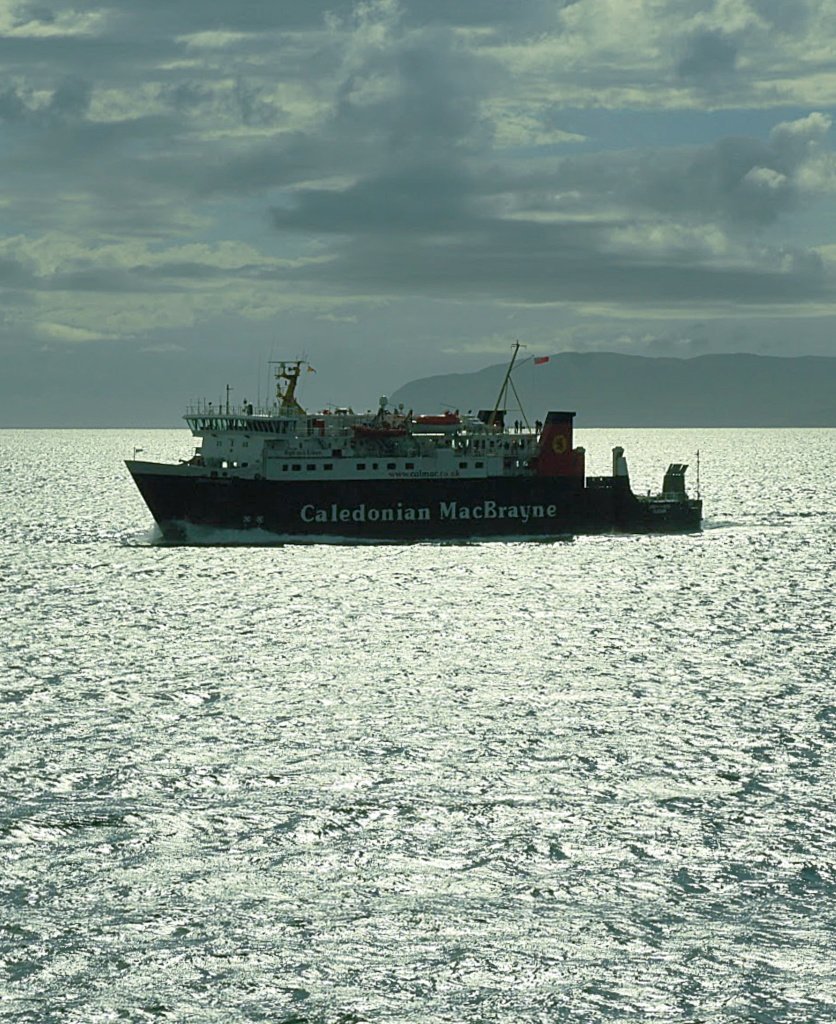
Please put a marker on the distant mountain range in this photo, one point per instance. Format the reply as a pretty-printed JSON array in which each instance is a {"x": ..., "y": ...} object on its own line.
[{"x": 609, "y": 390}]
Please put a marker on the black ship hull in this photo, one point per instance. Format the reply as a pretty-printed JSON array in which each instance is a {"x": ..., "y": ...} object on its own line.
[{"x": 182, "y": 498}]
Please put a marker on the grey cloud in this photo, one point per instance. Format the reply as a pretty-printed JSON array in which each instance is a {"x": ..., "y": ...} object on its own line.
[
  {"x": 416, "y": 101},
  {"x": 689, "y": 341},
  {"x": 12, "y": 106},
  {"x": 793, "y": 142},
  {"x": 397, "y": 181},
  {"x": 506, "y": 20},
  {"x": 415, "y": 148},
  {"x": 116, "y": 58},
  {"x": 685, "y": 9},
  {"x": 255, "y": 109},
  {"x": 288, "y": 159},
  {"x": 485, "y": 13},
  {"x": 707, "y": 55},
  {"x": 411, "y": 225},
  {"x": 168, "y": 276},
  {"x": 428, "y": 198},
  {"x": 35, "y": 12},
  {"x": 537, "y": 263},
  {"x": 197, "y": 272},
  {"x": 436, "y": 91},
  {"x": 804, "y": 263},
  {"x": 162, "y": 17},
  {"x": 71, "y": 99},
  {"x": 14, "y": 275},
  {"x": 98, "y": 279},
  {"x": 295, "y": 15},
  {"x": 126, "y": 143},
  {"x": 439, "y": 227},
  {"x": 246, "y": 102},
  {"x": 781, "y": 14},
  {"x": 187, "y": 96},
  {"x": 736, "y": 182},
  {"x": 717, "y": 182}
]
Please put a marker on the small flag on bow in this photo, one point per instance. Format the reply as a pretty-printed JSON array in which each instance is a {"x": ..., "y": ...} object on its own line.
[{"x": 541, "y": 359}]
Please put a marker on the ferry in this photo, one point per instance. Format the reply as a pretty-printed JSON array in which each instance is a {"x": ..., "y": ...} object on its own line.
[{"x": 288, "y": 474}]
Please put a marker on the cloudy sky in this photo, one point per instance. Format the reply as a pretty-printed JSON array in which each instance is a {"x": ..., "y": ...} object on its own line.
[{"x": 394, "y": 189}]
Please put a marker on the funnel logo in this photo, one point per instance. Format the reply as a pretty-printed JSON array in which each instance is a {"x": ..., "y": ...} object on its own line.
[{"x": 559, "y": 444}]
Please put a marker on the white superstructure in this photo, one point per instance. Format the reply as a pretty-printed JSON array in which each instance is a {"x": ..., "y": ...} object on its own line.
[{"x": 285, "y": 442}]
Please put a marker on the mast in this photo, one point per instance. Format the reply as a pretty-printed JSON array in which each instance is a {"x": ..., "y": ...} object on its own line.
[
  {"x": 503, "y": 390},
  {"x": 289, "y": 372}
]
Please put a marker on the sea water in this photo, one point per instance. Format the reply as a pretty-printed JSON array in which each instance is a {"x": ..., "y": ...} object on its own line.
[{"x": 589, "y": 780}]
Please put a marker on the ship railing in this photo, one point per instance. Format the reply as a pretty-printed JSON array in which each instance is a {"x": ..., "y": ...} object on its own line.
[
  {"x": 259, "y": 421},
  {"x": 206, "y": 408}
]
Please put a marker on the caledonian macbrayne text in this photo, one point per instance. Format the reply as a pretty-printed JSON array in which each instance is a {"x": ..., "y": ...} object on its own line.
[{"x": 405, "y": 513}]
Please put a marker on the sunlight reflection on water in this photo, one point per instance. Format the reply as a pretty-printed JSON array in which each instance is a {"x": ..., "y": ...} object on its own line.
[{"x": 556, "y": 782}]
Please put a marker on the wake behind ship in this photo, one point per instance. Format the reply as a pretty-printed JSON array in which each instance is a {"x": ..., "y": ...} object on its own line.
[{"x": 395, "y": 476}]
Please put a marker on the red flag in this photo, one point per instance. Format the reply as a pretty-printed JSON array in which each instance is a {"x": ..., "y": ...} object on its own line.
[{"x": 541, "y": 359}]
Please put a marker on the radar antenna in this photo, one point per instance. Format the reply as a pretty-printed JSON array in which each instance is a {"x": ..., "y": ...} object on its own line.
[{"x": 287, "y": 378}]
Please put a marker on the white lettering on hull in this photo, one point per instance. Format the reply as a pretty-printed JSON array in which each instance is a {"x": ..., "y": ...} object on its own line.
[
  {"x": 364, "y": 514},
  {"x": 399, "y": 513},
  {"x": 493, "y": 510}
]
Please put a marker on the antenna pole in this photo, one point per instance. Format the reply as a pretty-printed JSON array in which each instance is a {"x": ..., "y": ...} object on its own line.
[
  {"x": 504, "y": 387},
  {"x": 513, "y": 387}
]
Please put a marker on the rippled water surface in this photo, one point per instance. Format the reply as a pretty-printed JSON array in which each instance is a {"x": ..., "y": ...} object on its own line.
[{"x": 583, "y": 781}]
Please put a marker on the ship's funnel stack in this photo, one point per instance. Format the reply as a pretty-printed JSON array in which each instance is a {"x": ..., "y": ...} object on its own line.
[
  {"x": 556, "y": 456},
  {"x": 674, "y": 484},
  {"x": 619, "y": 464}
]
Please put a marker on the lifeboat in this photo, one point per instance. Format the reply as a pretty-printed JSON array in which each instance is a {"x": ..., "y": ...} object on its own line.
[
  {"x": 443, "y": 419},
  {"x": 377, "y": 432}
]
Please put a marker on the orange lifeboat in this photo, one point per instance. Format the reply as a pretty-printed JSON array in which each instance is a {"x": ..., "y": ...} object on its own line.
[
  {"x": 374, "y": 431},
  {"x": 444, "y": 419}
]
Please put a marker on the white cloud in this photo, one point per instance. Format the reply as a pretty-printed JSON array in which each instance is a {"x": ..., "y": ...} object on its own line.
[
  {"x": 213, "y": 40},
  {"x": 765, "y": 177},
  {"x": 20, "y": 21},
  {"x": 66, "y": 333}
]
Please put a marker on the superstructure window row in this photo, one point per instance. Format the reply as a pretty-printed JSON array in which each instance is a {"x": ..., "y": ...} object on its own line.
[{"x": 310, "y": 467}]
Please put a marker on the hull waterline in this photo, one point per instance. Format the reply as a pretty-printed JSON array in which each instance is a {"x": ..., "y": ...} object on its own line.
[{"x": 398, "y": 511}]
